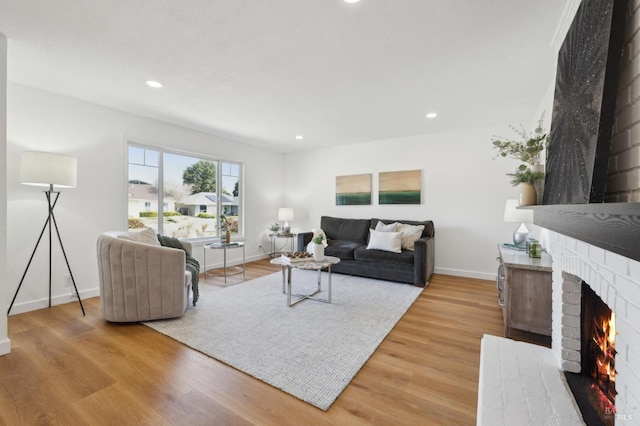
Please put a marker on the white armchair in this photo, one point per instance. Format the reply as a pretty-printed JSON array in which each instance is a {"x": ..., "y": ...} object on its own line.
[{"x": 141, "y": 282}]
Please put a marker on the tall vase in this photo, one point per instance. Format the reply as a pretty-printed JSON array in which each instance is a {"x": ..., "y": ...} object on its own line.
[
  {"x": 227, "y": 237},
  {"x": 318, "y": 252},
  {"x": 528, "y": 195}
]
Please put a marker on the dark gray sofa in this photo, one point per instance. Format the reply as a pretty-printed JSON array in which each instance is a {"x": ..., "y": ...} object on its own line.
[{"x": 347, "y": 239}]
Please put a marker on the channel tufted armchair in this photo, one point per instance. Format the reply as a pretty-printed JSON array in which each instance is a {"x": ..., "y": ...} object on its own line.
[{"x": 139, "y": 281}]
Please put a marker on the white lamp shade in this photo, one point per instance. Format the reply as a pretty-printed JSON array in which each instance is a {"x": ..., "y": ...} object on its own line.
[
  {"x": 285, "y": 214},
  {"x": 46, "y": 168},
  {"x": 513, "y": 214}
]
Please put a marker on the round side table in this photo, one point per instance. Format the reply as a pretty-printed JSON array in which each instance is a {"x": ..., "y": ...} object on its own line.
[{"x": 224, "y": 247}]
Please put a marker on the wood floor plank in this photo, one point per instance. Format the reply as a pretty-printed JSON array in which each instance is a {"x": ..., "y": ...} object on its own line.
[{"x": 68, "y": 369}]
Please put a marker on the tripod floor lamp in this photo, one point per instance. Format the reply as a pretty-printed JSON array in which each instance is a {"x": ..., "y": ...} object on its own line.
[{"x": 48, "y": 170}]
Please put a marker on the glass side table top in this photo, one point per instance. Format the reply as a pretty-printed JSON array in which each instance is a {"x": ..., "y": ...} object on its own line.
[{"x": 223, "y": 245}]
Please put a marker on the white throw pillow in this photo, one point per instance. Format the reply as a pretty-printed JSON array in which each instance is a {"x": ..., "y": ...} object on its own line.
[
  {"x": 146, "y": 236},
  {"x": 387, "y": 241},
  {"x": 392, "y": 227},
  {"x": 410, "y": 233}
]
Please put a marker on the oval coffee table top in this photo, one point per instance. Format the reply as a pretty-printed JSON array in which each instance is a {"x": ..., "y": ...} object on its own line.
[{"x": 307, "y": 264}]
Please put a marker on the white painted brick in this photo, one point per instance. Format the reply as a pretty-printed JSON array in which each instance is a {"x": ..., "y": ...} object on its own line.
[
  {"x": 571, "y": 366},
  {"x": 630, "y": 115},
  {"x": 573, "y": 344},
  {"x": 627, "y": 289},
  {"x": 571, "y": 321},
  {"x": 633, "y": 313},
  {"x": 571, "y": 298},
  {"x": 583, "y": 249},
  {"x": 570, "y": 355},
  {"x": 617, "y": 263},
  {"x": 634, "y": 270},
  {"x": 570, "y": 310},
  {"x": 624, "y": 98},
  {"x": 630, "y": 159},
  {"x": 620, "y": 307},
  {"x": 617, "y": 182},
  {"x": 596, "y": 255}
]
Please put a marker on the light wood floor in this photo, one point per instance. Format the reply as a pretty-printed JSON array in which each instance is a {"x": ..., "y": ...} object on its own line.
[{"x": 72, "y": 370}]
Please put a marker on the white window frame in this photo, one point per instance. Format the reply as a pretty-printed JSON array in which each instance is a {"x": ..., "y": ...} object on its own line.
[{"x": 219, "y": 206}]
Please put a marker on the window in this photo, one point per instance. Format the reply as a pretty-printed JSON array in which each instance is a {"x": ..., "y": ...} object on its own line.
[{"x": 182, "y": 195}]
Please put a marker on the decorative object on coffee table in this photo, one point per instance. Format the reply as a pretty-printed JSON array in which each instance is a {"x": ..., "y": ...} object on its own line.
[{"x": 318, "y": 247}]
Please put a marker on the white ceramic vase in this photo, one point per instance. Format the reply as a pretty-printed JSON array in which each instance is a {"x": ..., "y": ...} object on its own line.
[{"x": 318, "y": 252}]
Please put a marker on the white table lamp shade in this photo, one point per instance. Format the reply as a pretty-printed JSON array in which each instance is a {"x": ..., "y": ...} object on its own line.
[
  {"x": 513, "y": 214},
  {"x": 285, "y": 214},
  {"x": 45, "y": 169}
]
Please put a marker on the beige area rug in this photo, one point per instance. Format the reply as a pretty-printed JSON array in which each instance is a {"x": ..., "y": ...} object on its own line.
[{"x": 311, "y": 350}]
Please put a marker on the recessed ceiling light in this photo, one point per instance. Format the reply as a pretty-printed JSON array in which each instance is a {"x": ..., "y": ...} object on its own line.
[
  {"x": 432, "y": 115},
  {"x": 299, "y": 137},
  {"x": 154, "y": 84},
  {"x": 351, "y": 1}
]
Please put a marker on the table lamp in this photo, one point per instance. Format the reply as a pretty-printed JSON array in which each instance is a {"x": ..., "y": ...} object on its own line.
[
  {"x": 513, "y": 214},
  {"x": 285, "y": 214}
]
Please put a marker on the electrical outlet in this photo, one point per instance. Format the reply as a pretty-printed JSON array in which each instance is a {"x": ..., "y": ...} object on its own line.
[{"x": 67, "y": 280}]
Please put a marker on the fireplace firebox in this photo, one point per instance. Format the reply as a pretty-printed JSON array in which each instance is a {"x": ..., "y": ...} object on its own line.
[{"x": 594, "y": 387}]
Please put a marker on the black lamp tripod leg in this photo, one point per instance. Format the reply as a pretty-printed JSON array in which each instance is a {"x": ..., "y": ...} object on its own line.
[
  {"x": 46, "y": 222},
  {"x": 50, "y": 218},
  {"x": 64, "y": 253}
]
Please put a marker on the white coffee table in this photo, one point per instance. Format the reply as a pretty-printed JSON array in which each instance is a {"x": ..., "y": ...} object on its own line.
[{"x": 327, "y": 262}]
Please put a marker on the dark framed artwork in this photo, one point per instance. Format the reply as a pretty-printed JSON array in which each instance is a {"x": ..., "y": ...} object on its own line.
[
  {"x": 584, "y": 104},
  {"x": 400, "y": 187},
  {"x": 353, "y": 190}
]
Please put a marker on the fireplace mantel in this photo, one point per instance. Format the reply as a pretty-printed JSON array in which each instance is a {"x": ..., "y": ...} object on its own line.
[{"x": 611, "y": 226}]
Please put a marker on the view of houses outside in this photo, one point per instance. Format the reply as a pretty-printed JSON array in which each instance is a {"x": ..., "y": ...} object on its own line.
[{"x": 190, "y": 203}]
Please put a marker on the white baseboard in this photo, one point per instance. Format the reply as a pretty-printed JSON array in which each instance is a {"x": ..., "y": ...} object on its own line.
[
  {"x": 465, "y": 274},
  {"x": 34, "y": 305},
  {"x": 5, "y": 346}
]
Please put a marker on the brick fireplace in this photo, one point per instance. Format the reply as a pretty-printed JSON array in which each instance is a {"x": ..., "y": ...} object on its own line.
[{"x": 616, "y": 280}]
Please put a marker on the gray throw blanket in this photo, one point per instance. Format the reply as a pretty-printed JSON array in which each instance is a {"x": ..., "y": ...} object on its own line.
[{"x": 192, "y": 264}]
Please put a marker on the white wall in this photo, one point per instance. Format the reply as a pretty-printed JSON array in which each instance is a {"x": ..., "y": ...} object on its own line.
[
  {"x": 463, "y": 191},
  {"x": 5, "y": 344},
  {"x": 39, "y": 120}
]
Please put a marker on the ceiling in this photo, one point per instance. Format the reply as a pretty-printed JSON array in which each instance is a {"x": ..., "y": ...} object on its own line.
[{"x": 264, "y": 71}]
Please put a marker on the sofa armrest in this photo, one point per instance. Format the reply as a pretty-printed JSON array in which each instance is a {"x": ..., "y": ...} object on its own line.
[
  {"x": 304, "y": 238},
  {"x": 423, "y": 261}
]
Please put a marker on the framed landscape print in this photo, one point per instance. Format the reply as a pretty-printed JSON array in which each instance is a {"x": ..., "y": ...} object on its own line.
[
  {"x": 400, "y": 187},
  {"x": 353, "y": 190}
]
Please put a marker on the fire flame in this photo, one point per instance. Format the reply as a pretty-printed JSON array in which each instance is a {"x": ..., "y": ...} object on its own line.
[{"x": 605, "y": 338}]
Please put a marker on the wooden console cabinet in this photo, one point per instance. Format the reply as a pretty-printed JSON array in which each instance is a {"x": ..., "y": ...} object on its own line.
[{"x": 524, "y": 291}]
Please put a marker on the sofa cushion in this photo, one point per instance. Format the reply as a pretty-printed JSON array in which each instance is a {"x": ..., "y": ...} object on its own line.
[
  {"x": 379, "y": 256},
  {"x": 392, "y": 227},
  {"x": 341, "y": 249},
  {"x": 355, "y": 230},
  {"x": 409, "y": 234},
  {"x": 428, "y": 230},
  {"x": 385, "y": 241},
  {"x": 146, "y": 236}
]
